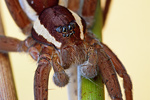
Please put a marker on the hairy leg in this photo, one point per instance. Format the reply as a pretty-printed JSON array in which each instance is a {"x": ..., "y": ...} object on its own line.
[
  {"x": 85, "y": 8},
  {"x": 106, "y": 11},
  {"x": 108, "y": 74},
  {"x": 121, "y": 72},
  {"x": 19, "y": 16},
  {"x": 41, "y": 80},
  {"x": 9, "y": 44},
  {"x": 42, "y": 73}
]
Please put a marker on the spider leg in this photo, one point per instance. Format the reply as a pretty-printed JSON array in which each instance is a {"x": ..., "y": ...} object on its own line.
[
  {"x": 41, "y": 80},
  {"x": 88, "y": 11},
  {"x": 19, "y": 16},
  {"x": 85, "y": 8},
  {"x": 121, "y": 72},
  {"x": 42, "y": 74},
  {"x": 74, "y": 5},
  {"x": 9, "y": 44},
  {"x": 106, "y": 11},
  {"x": 108, "y": 74},
  {"x": 89, "y": 68}
]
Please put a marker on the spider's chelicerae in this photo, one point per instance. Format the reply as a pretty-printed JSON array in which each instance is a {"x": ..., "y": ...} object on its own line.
[{"x": 59, "y": 39}]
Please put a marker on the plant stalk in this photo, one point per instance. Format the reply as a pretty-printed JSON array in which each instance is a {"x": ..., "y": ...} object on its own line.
[{"x": 7, "y": 86}]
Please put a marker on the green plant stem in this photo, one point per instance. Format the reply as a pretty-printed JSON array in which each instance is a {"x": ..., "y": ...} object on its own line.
[{"x": 93, "y": 89}]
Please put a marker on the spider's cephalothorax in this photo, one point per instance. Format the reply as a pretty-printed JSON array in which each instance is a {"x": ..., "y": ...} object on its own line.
[{"x": 52, "y": 27}]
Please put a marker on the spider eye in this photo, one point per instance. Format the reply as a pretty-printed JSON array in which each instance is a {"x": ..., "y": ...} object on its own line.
[
  {"x": 59, "y": 29},
  {"x": 70, "y": 27},
  {"x": 73, "y": 24},
  {"x": 64, "y": 35},
  {"x": 64, "y": 29},
  {"x": 67, "y": 35},
  {"x": 72, "y": 32}
]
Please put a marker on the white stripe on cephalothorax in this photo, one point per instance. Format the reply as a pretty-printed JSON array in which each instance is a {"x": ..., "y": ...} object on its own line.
[
  {"x": 30, "y": 12},
  {"x": 63, "y": 3},
  {"x": 41, "y": 30},
  {"x": 79, "y": 22}
]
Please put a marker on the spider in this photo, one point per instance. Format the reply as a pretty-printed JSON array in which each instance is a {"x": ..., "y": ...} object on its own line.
[{"x": 58, "y": 39}]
